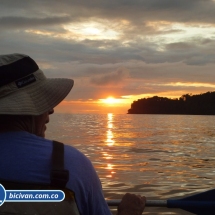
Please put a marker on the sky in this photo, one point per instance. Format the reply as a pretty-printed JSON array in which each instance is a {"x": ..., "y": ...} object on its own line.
[{"x": 124, "y": 49}]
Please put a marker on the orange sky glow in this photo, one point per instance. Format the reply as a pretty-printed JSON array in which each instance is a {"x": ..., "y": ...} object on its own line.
[
  {"x": 111, "y": 104},
  {"x": 126, "y": 50}
]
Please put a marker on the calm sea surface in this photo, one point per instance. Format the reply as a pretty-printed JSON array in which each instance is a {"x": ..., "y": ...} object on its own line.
[{"x": 159, "y": 156}]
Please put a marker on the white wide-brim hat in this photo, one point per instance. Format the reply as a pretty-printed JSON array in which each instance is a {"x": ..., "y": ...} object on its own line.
[{"x": 24, "y": 89}]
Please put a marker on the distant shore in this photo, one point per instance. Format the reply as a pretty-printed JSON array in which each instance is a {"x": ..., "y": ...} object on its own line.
[{"x": 188, "y": 104}]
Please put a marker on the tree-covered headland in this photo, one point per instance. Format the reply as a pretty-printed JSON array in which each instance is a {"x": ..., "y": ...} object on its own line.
[{"x": 201, "y": 104}]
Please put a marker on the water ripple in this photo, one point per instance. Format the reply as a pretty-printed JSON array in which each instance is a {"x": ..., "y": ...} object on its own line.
[{"x": 159, "y": 156}]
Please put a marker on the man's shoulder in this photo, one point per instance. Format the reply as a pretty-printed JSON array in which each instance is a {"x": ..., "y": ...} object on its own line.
[
  {"x": 22, "y": 138},
  {"x": 74, "y": 153}
]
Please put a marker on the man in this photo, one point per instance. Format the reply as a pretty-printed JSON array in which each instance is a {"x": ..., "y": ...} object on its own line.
[{"x": 27, "y": 98}]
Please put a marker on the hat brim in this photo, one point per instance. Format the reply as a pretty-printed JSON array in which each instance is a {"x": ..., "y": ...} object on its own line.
[{"x": 37, "y": 98}]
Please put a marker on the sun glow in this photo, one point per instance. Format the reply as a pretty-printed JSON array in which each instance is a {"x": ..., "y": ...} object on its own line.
[
  {"x": 110, "y": 100},
  {"x": 92, "y": 30}
]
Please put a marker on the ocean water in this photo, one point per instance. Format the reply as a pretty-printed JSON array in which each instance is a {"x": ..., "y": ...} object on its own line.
[{"x": 159, "y": 156}]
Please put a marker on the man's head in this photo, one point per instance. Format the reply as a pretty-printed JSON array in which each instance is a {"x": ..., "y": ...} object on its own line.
[{"x": 25, "y": 91}]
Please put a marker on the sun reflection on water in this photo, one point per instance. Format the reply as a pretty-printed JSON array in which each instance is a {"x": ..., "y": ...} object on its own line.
[
  {"x": 110, "y": 143},
  {"x": 110, "y": 136}
]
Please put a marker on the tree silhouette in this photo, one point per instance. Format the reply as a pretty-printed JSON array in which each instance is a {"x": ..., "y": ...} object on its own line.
[{"x": 202, "y": 104}]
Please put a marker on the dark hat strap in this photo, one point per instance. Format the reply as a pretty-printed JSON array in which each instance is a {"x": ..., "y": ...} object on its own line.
[{"x": 59, "y": 176}]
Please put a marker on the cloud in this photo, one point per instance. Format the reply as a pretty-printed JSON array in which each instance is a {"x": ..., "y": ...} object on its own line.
[
  {"x": 97, "y": 42},
  {"x": 52, "y": 48},
  {"x": 110, "y": 79},
  {"x": 136, "y": 12},
  {"x": 25, "y": 22}
]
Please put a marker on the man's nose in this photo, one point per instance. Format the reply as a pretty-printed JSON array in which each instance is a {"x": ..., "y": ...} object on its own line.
[{"x": 51, "y": 111}]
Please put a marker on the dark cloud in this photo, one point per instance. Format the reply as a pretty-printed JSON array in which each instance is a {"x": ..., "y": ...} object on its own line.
[
  {"x": 110, "y": 79},
  {"x": 136, "y": 11},
  {"x": 179, "y": 46},
  {"x": 24, "y": 22}
]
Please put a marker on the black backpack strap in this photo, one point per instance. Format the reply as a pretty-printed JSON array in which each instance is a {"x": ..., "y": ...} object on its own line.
[{"x": 59, "y": 176}]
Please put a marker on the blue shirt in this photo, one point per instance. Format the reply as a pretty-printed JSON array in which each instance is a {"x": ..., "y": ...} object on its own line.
[{"x": 26, "y": 157}]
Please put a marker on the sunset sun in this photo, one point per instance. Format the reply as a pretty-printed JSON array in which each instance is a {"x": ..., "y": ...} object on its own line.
[{"x": 110, "y": 100}]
